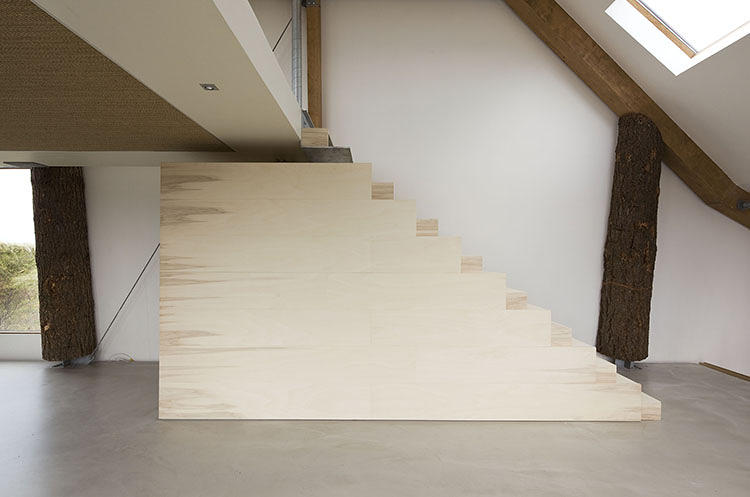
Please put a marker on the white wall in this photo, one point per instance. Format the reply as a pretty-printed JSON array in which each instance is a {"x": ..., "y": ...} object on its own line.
[
  {"x": 473, "y": 116},
  {"x": 709, "y": 101},
  {"x": 273, "y": 16},
  {"x": 470, "y": 114},
  {"x": 123, "y": 219}
]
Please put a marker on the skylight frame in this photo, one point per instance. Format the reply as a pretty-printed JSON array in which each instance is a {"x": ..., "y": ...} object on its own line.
[
  {"x": 665, "y": 28},
  {"x": 650, "y": 33}
]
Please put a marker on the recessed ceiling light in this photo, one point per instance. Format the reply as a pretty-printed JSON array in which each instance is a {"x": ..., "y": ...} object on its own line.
[{"x": 209, "y": 87}]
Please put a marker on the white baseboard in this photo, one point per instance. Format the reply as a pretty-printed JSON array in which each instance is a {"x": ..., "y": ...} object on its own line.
[{"x": 20, "y": 347}]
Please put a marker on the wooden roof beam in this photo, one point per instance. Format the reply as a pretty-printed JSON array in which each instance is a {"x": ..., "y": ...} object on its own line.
[{"x": 609, "y": 81}]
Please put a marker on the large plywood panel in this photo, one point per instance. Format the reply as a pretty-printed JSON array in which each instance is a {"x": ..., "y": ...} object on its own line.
[
  {"x": 194, "y": 183},
  {"x": 287, "y": 293}
]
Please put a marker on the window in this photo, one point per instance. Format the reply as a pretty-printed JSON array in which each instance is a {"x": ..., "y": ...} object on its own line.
[
  {"x": 682, "y": 33},
  {"x": 19, "y": 295}
]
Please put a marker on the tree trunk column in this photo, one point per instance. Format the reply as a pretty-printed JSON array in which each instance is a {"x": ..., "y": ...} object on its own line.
[
  {"x": 66, "y": 302},
  {"x": 630, "y": 249}
]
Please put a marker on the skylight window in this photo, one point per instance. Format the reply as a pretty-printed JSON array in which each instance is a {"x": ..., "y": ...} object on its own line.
[{"x": 682, "y": 33}]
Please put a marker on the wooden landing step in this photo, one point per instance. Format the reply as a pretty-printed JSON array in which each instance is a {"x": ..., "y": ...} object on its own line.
[
  {"x": 318, "y": 147},
  {"x": 515, "y": 299}
]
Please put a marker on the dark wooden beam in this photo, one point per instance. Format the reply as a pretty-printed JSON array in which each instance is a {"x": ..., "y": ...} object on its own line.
[
  {"x": 630, "y": 249},
  {"x": 314, "y": 79},
  {"x": 66, "y": 301},
  {"x": 623, "y": 95}
]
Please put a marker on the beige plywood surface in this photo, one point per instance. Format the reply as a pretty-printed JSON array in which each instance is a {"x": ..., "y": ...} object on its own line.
[
  {"x": 383, "y": 191},
  {"x": 314, "y": 137},
  {"x": 209, "y": 182},
  {"x": 334, "y": 290},
  {"x": 472, "y": 264},
  {"x": 444, "y": 328},
  {"x": 215, "y": 219},
  {"x": 197, "y": 326},
  {"x": 295, "y": 254},
  {"x": 287, "y": 292},
  {"x": 427, "y": 227},
  {"x": 303, "y": 398}
]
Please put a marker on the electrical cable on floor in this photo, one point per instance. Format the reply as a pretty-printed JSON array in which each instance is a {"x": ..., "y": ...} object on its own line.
[{"x": 90, "y": 358}]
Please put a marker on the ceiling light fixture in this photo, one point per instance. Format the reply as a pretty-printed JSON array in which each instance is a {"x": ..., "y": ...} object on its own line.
[{"x": 209, "y": 87}]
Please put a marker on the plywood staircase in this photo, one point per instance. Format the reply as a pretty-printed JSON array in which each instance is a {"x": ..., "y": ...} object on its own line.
[{"x": 305, "y": 291}]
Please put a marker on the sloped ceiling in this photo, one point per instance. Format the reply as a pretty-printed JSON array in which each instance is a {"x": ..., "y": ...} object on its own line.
[
  {"x": 59, "y": 93},
  {"x": 710, "y": 101}
]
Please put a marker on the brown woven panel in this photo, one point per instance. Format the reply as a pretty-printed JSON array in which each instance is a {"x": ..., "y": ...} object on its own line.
[{"x": 59, "y": 93}]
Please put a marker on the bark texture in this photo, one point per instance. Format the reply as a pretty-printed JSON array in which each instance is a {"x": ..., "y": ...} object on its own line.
[
  {"x": 66, "y": 302},
  {"x": 630, "y": 249}
]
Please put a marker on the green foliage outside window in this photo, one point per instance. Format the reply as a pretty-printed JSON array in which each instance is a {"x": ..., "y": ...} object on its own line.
[{"x": 19, "y": 293}]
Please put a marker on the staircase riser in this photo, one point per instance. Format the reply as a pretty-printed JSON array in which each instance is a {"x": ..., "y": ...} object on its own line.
[
  {"x": 333, "y": 291},
  {"x": 315, "y": 255},
  {"x": 303, "y": 399},
  {"x": 239, "y": 182}
]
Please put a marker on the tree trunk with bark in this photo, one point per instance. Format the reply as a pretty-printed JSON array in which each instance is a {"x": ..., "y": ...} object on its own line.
[
  {"x": 66, "y": 302},
  {"x": 630, "y": 249}
]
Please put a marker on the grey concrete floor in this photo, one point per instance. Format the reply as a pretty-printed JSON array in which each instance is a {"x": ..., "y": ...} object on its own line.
[{"x": 93, "y": 432}]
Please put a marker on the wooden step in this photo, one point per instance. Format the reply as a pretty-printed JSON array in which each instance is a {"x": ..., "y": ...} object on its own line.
[
  {"x": 238, "y": 182},
  {"x": 472, "y": 264},
  {"x": 447, "y": 328},
  {"x": 562, "y": 336},
  {"x": 405, "y": 291},
  {"x": 322, "y": 254},
  {"x": 383, "y": 191},
  {"x": 651, "y": 408},
  {"x": 315, "y": 137},
  {"x": 427, "y": 227},
  {"x": 240, "y": 327},
  {"x": 383, "y": 365},
  {"x": 297, "y": 396},
  {"x": 228, "y": 220},
  {"x": 606, "y": 372},
  {"x": 515, "y": 299}
]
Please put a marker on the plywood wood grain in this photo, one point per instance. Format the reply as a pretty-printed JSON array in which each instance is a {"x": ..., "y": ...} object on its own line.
[
  {"x": 294, "y": 254},
  {"x": 651, "y": 408},
  {"x": 516, "y": 299},
  {"x": 445, "y": 328},
  {"x": 472, "y": 264},
  {"x": 562, "y": 336},
  {"x": 224, "y": 290},
  {"x": 207, "y": 182},
  {"x": 314, "y": 137},
  {"x": 198, "y": 326},
  {"x": 427, "y": 227},
  {"x": 385, "y": 219},
  {"x": 383, "y": 191},
  {"x": 287, "y": 292}
]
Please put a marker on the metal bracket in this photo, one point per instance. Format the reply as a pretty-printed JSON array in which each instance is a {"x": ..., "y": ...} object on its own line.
[
  {"x": 743, "y": 205},
  {"x": 311, "y": 3}
]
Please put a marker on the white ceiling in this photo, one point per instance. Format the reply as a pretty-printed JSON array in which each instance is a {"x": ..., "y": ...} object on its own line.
[{"x": 711, "y": 101}]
